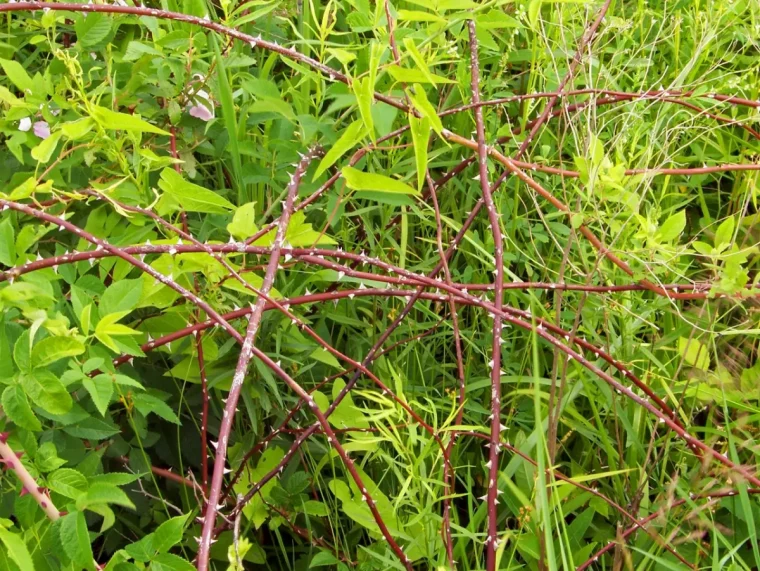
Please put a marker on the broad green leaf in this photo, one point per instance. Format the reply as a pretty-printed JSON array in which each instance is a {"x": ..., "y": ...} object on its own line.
[
  {"x": 324, "y": 356},
  {"x": 16, "y": 549},
  {"x": 254, "y": 280},
  {"x": 323, "y": 559},
  {"x": 169, "y": 533},
  {"x": 300, "y": 233},
  {"x": 51, "y": 349},
  {"x": 420, "y": 101},
  {"x": 256, "y": 510},
  {"x": 350, "y": 136},
  {"x": 419, "y": 16},
  {"x": 16, "y": 73},
  {"x": 116, "y": 121},
  {"x": 46, "y": 391},
  {"x": 16, "y": 407},
  {"x": 694, "y": 353},
  {"x": 107, "y": 328},
  {"x": 101, "y": 389},
  {"x": 358, "y": 180},
  {"x": 363, "y": 91},
  {"x": 243, "y": 224},
  {"x": 93, "y": 29},
  {"x": 75, "y": 540},
  {"x": 672, "y": 227},
  {"x": 44, "y": 150},
  {"x": 420, "y": 129},
  {"x": 92, "y": 428},
  {"x": 122, "y": 295},
  {"x": 191, "y": 197},
  {"x": 67, "y": 482},
  {"x": 103, "y": 494}
]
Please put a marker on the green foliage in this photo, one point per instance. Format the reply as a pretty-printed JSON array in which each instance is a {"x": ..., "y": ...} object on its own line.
[{"x": 141, "y": 130}]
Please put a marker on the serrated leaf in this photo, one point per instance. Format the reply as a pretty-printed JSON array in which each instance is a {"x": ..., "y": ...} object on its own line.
[
  {"x": 323, "y": 559},
  {"x": 67, "y": 482},
  {"x": 358, "y": 180},
  {"x": 93, "y": 29},
  {"x": 122, "y": 295},
  {"x": 170, "y": 562},
  {"x": 694, "y": 353},
  {"x": 169, "y": 533},
  {"x": 101, "y": 390},
  {"x": 75, "y": 540},
  {"x": 147, "y": 404},
  {"x": 101, "y": 493},
  {"x": 16, "y": 407},
  {"x": 51, "y": 349},
  {"x": 46, "y": 391}
]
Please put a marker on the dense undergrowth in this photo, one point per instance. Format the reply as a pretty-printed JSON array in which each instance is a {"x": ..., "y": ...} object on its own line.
[{"x": 369, "y": 285}]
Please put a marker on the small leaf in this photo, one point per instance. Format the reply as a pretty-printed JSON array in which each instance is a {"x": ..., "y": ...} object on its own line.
[
  {"x": 147, "y": 404},
  {"x": 420, "y": 129},
  {"x": 122, "y": 295},
  {"x": 18, "y": 76},
  {"x": 243, "y": 224},
  {"x": 115, "y": 121},
  {"x": 694, "y": 353},
  {"x": 724, "y": 234},
  {"x": 324, "y": 356},
  {"x": 420, "y": 101},
  {"x": 170, "y": 562},
  {"x": 44, "y": 150},
  {"x": 358, "y": 180},
  {"x": 7, "y": 243},
  {"x": 323, "y": 559},
  {"x": 409, "y": 76},
  {"x": 169, "y": 533},
  {"x": 672, "y": 227},
  {"x": 93, "y": 29},
  {"x": 350, "y": 136},
  {"x": 416, "y": 56},
  {"x": 363, "y": 91}
]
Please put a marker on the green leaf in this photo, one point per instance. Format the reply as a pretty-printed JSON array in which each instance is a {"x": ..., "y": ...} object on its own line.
[
  {"x": 672, "y": 227},
  {"x": 169, "y": 562},
  {"x": 75, "y": 540},
  {"x": 420, "y": 129},
  {"x": 93, "y": 29},
  {"x": 16, "y": 407},
  {"x": 51, "y": 349},
  {"x": 315, "y": 508},
  {"x": 7, "y": 243},
  {"x": 420, "y": 101},
  {"x": 44, "y": 150},
  {"x": 169, "y": 533},
  {"x": 191, "y": 197},
  {"x": 350, "y": 136},
  {"x": 409, "y": 76},
  {"x": 416, "y": 56},
  {"x": 363, "y": 91},
  {"x": 75, "y": 130},
  {"x": 115, "y": 121},
  {"x": 103, "y": 494},
  {"x": 17, "y": 550},
  {"x": 724, "y": 234},
  {"x": 324, "y": 356},
  {"x": 358, "y": 180},
  {"x": 17, "y": 75},
  {"x": 67, "y": 482},
  {"x": 107, "y": 328},
  {"x": 243, "y": 224},
  {"x": 147, "y": 404},
  {"x": 694, "y": 353},
  {"x": 101, "y": 390},
  {"x": 323, "y": 559},
  {"x": 46, "y": 391},
  {"x": 122, "y": 295},
  {"x": 92, "y": 428}
]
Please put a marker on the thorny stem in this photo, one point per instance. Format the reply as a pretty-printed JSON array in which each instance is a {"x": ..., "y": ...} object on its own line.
[
  {"x": 12, "y": 461},
  {"x": 492, "y": 540}
]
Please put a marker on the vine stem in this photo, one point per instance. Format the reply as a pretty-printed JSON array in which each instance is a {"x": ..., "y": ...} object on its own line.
[{"x": 12, "y": 461}]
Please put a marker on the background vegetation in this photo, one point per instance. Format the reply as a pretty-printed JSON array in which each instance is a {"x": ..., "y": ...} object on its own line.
[{"x": 419, "y": 284}]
